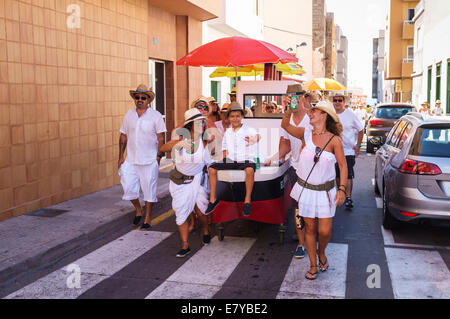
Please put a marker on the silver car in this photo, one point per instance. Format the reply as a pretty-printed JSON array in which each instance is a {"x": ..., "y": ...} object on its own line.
[{"x": 412, "y": 170}]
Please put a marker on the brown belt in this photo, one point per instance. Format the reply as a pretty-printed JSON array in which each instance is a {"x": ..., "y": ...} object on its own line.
[{"x": 322, "y": 187}]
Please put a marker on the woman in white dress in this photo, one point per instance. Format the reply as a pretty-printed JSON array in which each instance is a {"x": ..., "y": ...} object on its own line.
[
  {"x": 315, "y": 190},
  {"x": 189, "y": 180}
]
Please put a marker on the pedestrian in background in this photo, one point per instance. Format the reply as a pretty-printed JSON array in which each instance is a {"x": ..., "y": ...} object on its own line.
[
  {"x": 188, "y": 180},
  {"x": 141, "y": 133},
  {"x": 425, "y": 110},
  {"x": 315, "y": 189},
  {"x": 352, "y": 135},
  {"x": 438, "y": 110},
  {"x": 213, "y": 110}
]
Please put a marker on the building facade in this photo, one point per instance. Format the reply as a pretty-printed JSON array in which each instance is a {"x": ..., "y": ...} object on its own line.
[
  {"x": 399, "y": 44},
  {"x": 431, "y": 77},
  {"x": 330, "y": 47},
  {"x": 342, "y": 56},
  {"x": 319, "y": 31},
  {"x": 379, "y": 89},
  {"x": 65, "y": 75}
]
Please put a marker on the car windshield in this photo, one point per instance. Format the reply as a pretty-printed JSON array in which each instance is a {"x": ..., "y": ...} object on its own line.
[
  {"x": 392, "y": 113},
  {"x": 432, "y": 141}
]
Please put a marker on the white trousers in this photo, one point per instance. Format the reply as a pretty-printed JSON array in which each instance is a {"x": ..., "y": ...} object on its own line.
[
  {"x": 186, "y": 196},
  {"x": 136, "y": 177}
]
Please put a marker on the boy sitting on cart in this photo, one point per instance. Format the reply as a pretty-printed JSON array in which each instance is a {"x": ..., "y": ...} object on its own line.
[{"x": 239, "y": 153}]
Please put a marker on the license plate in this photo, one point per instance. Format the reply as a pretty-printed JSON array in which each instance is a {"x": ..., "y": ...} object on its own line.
[{"x": 446, "y": 188}]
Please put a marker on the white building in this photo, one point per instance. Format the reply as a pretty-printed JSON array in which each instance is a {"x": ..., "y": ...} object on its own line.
[
  {"x": 267, "y": 20},
  {"x": 236, "y": 18},
  {"x": 431, "y": 75}
]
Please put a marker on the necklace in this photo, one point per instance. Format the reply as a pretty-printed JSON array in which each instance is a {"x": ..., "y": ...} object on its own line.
[{"x": 321, "y": 133}]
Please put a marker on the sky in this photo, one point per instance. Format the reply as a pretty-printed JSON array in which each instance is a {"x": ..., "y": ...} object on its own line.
[{"x": 360, "y": 21}]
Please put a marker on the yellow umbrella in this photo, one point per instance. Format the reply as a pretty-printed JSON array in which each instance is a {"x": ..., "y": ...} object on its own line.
[
  {"x": 256, "y": 69},
  {"x": 324, "y": 84}
]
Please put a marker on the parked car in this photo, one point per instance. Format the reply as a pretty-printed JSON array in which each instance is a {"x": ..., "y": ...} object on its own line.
[
  {"x": 412, "y": 170},
  {"x": 382, "y": 120}
]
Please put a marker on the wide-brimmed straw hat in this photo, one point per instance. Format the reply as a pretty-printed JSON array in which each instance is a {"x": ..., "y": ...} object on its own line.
[
  {"x": 142, "y": 89},
  {"x": 328, "y": 108},
  {"x": 200, "y": 98},
  {"x": 192, "y": 115},
  {"x": 438, "y": 102}
]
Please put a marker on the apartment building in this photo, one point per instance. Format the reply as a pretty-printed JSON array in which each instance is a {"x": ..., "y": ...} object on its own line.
[
  {"x": 399, "y": 44},
  {"x": 66, "y": 69},
  {"x": 431, "y": 77}
]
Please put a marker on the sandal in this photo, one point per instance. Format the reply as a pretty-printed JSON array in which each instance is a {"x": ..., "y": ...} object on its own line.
[
  {"x": 314, "y": 274},
  {"x": 322, "y": 265}
]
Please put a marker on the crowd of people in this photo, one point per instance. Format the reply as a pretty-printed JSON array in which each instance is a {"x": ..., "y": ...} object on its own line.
[{"x": 323, "y": 139}]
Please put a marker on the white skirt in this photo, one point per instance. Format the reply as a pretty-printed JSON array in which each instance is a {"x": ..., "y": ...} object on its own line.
[
  {"x": 186, "y": 196},
  {"x": 314, "y": 204}
]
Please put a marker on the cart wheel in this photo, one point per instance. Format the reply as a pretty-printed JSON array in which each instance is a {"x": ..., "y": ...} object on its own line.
[
  {"x": 221, "y": 231},
  {"x": 282, "y": 231}
]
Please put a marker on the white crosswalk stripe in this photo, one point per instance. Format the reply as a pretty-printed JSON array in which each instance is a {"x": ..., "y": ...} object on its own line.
[
  {"x": 95, "y": 267},
  {"x": 329, "y": 284},
  {"x": 418, "y": 274},
  {"x": 414, "y": 273},
  {"x": 203, "y": 275}
]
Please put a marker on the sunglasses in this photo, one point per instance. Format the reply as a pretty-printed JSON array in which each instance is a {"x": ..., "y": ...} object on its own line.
[
  {"x": 202, "y": 107},
  {"x": 270, "y": 108},
  {"x": 143, "y": 98},
  {"x": 317, "y": 155},
  {"x": 338, "y": 100}
]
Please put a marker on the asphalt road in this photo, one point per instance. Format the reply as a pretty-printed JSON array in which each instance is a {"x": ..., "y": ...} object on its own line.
[{"x": 365, "y": 260}]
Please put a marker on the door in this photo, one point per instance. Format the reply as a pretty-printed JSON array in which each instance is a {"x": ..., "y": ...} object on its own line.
[{"x": 158, "y": 83}]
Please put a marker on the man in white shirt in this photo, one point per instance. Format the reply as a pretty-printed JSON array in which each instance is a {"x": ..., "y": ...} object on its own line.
[
  {"x": 142, "y": 131},
  {"x": 361, "y": 113},
  {"x": 438, "y": 110},
  {"x": 239, "y": 152},
  {"x": 352, "y": 135}
]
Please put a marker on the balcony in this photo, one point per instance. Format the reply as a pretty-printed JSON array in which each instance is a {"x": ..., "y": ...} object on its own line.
[
  {"x": 408, "y": 30},
  {"x": 200, "y": 10}
]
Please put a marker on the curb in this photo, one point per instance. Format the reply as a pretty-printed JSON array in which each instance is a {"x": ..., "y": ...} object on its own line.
[{"x": 14, "y": 276}]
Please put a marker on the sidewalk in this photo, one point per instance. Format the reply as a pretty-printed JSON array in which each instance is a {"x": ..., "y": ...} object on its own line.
[{"x": 42, "y": 237}]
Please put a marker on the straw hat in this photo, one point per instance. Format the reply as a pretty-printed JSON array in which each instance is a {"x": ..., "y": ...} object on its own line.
[
  {"x": 438, "y": 102},
  {"x": 192, "y": 115},
  {"x": 328, "y": 108},
  {"x": 235, "y": 106},
  {"x": 142, "y": 88},
  {"x": 295, "y": 88},
  {"x": 424, "y": 103},
  {"x": 233, "y": 92},
  {"x": 225, "y": 107},
  {"x": 198, "y": 99}
]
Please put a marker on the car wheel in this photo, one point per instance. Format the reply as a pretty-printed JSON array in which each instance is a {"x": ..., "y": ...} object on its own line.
[
  {"x": 370, "y": 148},
  {"x": 389, "y": 221}
]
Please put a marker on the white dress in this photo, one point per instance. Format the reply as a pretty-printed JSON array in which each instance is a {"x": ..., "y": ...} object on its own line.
[
  {"x": 186, "y": 196},
  {"x": 313, "y": 203}
]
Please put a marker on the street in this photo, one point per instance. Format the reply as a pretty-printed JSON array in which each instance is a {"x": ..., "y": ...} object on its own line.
[{"x": 365, "y": 260}]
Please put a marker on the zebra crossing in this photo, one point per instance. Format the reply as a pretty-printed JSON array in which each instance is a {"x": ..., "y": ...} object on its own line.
[{"x": 414, "y": 273}]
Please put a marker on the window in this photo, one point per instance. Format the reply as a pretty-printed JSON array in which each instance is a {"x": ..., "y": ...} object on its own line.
[
  {"x": 397, "y": 133},
  {"x": 411, "y": 13},
  {"x": 392, "y": 112},
  {"x": 432, "y": 141},
  {"x": 215, "y": 89},
  {"x": 405, "y": 135},
  {"x": 438, "y": 82},
  {"x": 263, "y": 105},
  {"x": 429, "y": 85},
  {"x": 448, "y": 87},
  {"x": 410, "y": 53}
]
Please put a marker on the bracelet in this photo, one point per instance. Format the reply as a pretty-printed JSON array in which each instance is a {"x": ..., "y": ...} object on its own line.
[
  {"x": 359, "y": 145},
  {"x": 341, "y": 191},
  {"x": 342, "y": 186}
]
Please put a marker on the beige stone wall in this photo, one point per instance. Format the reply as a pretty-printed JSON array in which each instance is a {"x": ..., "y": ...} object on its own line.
[{"x": 63, "y": 94}]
